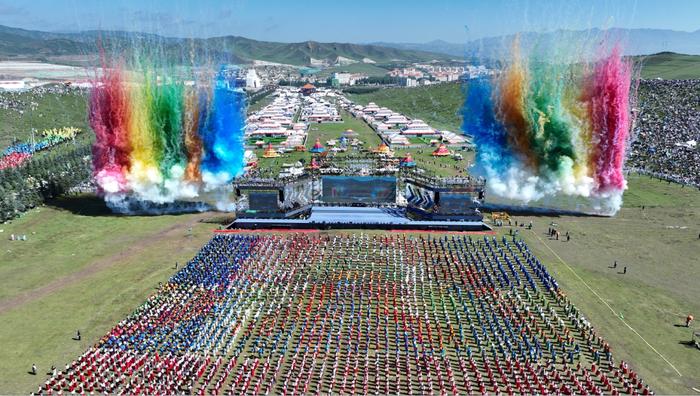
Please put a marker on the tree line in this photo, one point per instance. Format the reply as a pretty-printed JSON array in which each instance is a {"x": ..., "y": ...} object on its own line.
[{"x": 43, "y": 178}]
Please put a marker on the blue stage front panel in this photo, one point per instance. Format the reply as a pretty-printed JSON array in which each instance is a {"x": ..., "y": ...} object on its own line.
[{"x": 359, "y": 189}]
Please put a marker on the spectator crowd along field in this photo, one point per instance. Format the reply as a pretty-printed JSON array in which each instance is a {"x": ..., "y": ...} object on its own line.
[
  {"x": 668, "y": 129},
  {"x": 19, "y": 153},
  {"x": 18, "y": 100},
  {"x": 353, "y": 314}
]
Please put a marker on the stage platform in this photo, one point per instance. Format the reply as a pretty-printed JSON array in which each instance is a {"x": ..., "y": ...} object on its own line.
[{"x": 354, "y": 217}]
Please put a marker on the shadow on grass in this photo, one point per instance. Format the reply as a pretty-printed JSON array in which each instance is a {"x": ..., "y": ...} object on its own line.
[
  {"x": 84, "y": 205},
  {"x": 689, "y": 344},
  {"x": 94, "y": 206},
  {"x": 535, "y": 211}
]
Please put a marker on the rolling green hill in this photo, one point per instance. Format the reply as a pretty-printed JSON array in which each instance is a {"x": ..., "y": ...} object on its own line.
[
  {"x": 669, "y": 65},
  {"x": 302, "y": 53},
  {"x": 29, "y": 44}
]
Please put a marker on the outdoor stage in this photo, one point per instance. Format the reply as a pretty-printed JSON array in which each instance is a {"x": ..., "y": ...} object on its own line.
[{"x": 354, "y": 217}]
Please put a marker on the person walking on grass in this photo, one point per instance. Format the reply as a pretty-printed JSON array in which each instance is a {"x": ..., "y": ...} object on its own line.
[
  {"x": 689, "y": 320},
  {"x": 33, "y": 369}
]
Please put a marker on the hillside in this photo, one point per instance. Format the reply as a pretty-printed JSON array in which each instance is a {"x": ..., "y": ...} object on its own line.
[
  {"x": 438, "y": 105},
  {"x": 28, "y": 44},
  {"x": 302, "y": 53},
  {"x": 669, "y": 65}
]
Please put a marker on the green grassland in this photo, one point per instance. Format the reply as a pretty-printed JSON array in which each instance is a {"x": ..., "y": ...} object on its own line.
[
  {"x": 329, "y": 131},
  {"x": 259, "y": 104},
  {"x": 63, "y": 285},
  {"x": 445, "y": 166},
  {"x": 50, "y": 111},
  {"x": 670, "y": 66},
  {"x": 438, "y": 105},
  {"x": 659, "y": 246},
  {"x": 80, "y": 268}
]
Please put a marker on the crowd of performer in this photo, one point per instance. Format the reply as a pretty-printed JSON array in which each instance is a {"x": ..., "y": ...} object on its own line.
[
  {"x": 354, "y": 314},
  {"x": 668, "y": 129}
]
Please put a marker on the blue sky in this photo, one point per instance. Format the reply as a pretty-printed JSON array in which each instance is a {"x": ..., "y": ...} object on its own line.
[{"x": 349, "y": 20}]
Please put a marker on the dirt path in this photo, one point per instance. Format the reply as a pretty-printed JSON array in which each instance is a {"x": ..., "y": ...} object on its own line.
[{"x": 135, "y": 248}]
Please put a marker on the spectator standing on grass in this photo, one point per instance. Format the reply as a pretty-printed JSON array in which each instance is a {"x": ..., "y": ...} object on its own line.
[
  {"x": 77, "y": 335},
  {"x": 688, "y": 320},
  {"x": 33, "y": 369}
]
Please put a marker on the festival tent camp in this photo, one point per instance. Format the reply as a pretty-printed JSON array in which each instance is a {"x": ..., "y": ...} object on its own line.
[
  {"x": 408, "y": 161},
  {"x": 441, "y": 151},
  {"x": 270, "y": 152},
  {"x": 384, "y": 149},
  {"x": 318, "y": 147}
]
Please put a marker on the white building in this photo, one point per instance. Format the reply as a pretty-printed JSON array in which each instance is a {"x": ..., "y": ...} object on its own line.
[
  {"x": 252, "y": 81},
  {"x": 452, "y": 138},
  {"x": 418, "y": 128},
  {"x": 371, "y": 108},
  {"x": 343, "y": 78},
  {"x": 396, "y": 120},
  {"x": 408, "y": 82}
]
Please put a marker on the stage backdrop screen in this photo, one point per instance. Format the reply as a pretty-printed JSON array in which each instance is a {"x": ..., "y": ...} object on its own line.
[
  {"x": 263, "y": 201},
  {"x": 455, "y": 203},
  {"x": 359, "y": 189}
]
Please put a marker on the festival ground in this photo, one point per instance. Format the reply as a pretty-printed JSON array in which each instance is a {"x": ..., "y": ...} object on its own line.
[
  {"x": 60, "y": 289},
  {"x": 333, "y": 131}
]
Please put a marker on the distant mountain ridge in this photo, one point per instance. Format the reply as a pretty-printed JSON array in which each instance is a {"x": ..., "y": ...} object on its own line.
[
  {"x": 31, "y": 44},
  {"x": 638, "y": 42}
]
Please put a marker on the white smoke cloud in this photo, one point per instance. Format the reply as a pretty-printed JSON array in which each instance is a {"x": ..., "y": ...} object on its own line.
[
  {"x": 516, "y": 183},
  {"x": 149, "y": 192}
]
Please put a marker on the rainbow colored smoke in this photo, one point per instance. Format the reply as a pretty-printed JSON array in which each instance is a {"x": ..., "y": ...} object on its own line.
[
  {"x": 161, "y": 137},
  {"x": 550, "y": 126}
]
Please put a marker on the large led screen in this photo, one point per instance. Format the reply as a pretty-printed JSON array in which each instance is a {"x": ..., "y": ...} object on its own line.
[{"x": 359, "y": 189}]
